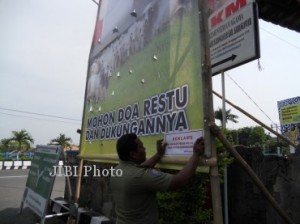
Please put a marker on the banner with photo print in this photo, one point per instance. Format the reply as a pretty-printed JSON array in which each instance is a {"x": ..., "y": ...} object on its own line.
[{"x": 144, "y": 75}]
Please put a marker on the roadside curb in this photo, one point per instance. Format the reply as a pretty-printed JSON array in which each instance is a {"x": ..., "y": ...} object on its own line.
[
  {"x": 18, "y": 165},
  {"x": 14, "y": 165}
]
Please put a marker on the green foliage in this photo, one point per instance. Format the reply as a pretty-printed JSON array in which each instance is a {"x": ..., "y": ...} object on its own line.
[
  {"x": 7, "y": 145},
  {"x": 2, "y": 148},
  {"x": 243, "y": 135},
  {"x": 20, "y": 138},
  {"x": 234, "y": 136},
  {"x": 247, "y": 136},
  {"x": 22, "y": 158},
  {"x": 273, "y": 143},
  {"x": 61, "y": 140},
  {"x": 25, "y": 158},
  {"x": 4, "y": 144},
  {"x": 257, "y": 136},
  {"x": 187, "y": 205},
  {"x": 228, "y": 116},
  {"x": 224, "y": 158}
]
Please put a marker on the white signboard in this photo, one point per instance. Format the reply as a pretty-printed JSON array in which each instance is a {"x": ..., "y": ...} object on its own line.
[
  {"x": 181, "y": 143},
  {"x": 233, "y": 35},
  {"x": 40, "y": 181}
]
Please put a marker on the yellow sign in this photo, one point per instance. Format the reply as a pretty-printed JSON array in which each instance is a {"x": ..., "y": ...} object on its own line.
[{"x": 290, "y": 114}]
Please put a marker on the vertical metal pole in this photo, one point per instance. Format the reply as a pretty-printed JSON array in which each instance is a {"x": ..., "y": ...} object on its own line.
[
  {"x": 277, "y": 141},
  {"x": 223, "y": 102},
  {"x": 78, "y": 183},
  {"x": 210, "y": 148},
  {"x": 67, "y": 178},
  {"x": 224, "y": 119}
]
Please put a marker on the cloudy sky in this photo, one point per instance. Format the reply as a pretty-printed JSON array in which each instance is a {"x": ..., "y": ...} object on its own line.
[
  {"x": 44, "y": 53},
  {"x": 43, "y": 65}
]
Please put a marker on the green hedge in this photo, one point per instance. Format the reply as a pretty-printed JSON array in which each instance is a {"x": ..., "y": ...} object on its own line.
[
  {"x": 189, "y": 205},
  {"x": 21, "y": 158},
  {"x": 26, "y": 158}
]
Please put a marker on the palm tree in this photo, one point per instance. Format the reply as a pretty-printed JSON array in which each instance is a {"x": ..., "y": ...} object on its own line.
[
  {"x": 5, "y": 142},
  {"x": 62, "y": 140},
  {"x": 229, "y": 116},
  {"x": 21, "y": 138}
]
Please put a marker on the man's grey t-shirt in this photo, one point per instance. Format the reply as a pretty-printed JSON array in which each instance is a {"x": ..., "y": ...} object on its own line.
[{"x": 135, "y": 193}]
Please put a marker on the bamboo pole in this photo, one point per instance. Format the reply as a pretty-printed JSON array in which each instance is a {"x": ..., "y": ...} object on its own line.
[
  {"x": 257, "y": 121},
  {"x": 217, "y": 132},
  {"x": 164, "y": 160},
  {"x": 210, "y": 148}
]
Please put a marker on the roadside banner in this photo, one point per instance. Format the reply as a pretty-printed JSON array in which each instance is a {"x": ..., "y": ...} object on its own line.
[
  {"x": 289, "y": 116},
  {"x": 40, "y": 179},
  {"x": 144, "y": 75}
]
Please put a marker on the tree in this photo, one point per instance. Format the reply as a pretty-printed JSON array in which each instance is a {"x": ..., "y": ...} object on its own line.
[
  {"x": 257, "y": 137},
  {"x": 231, "y": 135},
  {"x": 243, "y": 135},
  {"x": 21, "y": 138},
  {"x": 4, "y": 145},
  {"x": 5, "y": 142},
  {"x": 62, "y": 140},
  {"x": 228, "y": 116}
]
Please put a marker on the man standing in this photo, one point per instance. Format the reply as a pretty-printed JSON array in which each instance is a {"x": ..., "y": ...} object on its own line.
[{"x": 135, "y": 191}]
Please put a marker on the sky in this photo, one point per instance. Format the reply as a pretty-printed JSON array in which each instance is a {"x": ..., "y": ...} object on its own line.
[{"x": 45, "y": 46}]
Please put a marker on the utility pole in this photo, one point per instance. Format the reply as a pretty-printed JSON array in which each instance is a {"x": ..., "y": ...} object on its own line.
[
  {"x": 277, "y": 139},
  {"x": 224, "y": 121}
]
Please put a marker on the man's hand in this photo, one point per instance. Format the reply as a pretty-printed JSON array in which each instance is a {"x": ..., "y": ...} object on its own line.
[
  {"x": 160, "y": 147},
  {"x": 198, "y": 148},
  {"x": 160, "y": 151}
]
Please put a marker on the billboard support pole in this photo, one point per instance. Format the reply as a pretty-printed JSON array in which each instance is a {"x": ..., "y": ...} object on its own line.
[{"x": 210, "y": 149}]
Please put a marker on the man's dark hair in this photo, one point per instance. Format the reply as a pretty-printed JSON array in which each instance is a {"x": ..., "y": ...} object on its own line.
[{"x": 125, "y": 145}]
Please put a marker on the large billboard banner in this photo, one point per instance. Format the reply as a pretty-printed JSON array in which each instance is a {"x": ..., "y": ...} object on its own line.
[{"x": 144, "y": 75}]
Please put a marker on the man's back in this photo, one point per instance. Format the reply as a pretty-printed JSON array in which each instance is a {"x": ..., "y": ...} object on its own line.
[{"x": 135, "y": 193}]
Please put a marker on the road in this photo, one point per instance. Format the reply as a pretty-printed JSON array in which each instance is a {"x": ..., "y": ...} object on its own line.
[{"x": 12, "y": 185}]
